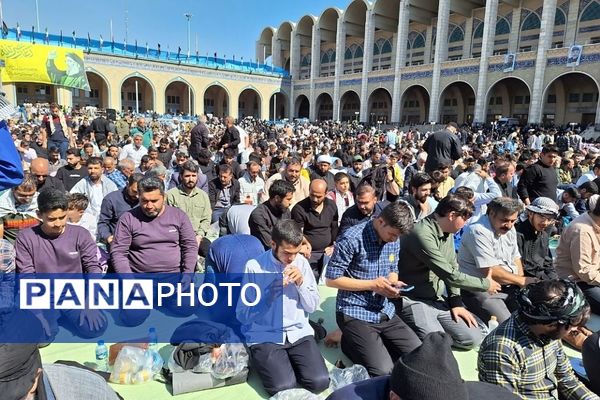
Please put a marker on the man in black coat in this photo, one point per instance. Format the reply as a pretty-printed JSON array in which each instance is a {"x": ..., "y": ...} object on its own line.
[
  {"x": 442, "y": 148},
  {"x": 199, "y": 137},
  {"x": 231, "y": 137}
]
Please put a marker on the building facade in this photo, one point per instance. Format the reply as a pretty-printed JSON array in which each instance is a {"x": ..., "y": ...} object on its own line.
[
  {"x": 415, "y": 61},
  {"x": 164, "y": 86}
]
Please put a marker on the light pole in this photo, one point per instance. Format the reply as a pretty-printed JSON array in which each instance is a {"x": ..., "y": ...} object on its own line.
[
  {"x": 188, "y": 16},
  {"x": 37, "y": 15}
]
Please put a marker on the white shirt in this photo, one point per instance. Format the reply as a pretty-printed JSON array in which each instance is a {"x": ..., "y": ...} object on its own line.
[
  {"x": 254, "y": 189},
  {"x": 136, "y": 154}
]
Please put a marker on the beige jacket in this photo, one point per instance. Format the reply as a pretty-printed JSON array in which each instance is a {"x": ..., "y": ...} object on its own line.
[{"x": 578, "y": 254}]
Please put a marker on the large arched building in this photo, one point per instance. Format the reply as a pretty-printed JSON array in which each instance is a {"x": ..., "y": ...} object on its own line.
[{"x": 414, "y": 61}]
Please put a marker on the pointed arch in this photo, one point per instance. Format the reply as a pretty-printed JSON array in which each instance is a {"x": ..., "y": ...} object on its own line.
[
  {"x": 478, "y": 32},
  {"x": 591, "y": 12},
  {"x": 531, "y": 22},
  {"x": 502, "y": 27},
  {"x": 457, "y": 35},
  {"x": 560, "y": 18}
]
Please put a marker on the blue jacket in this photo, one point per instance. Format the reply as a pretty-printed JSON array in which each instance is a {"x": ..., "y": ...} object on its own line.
[{"x": 11, "y": 169}]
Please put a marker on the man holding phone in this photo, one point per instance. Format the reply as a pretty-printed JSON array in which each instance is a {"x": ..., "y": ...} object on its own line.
[
  {"x": 364, "y": 267},
  {"x": 428, "y": 261}
]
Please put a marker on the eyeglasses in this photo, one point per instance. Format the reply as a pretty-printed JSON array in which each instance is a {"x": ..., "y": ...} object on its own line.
[{"x": 547, "y": 218}]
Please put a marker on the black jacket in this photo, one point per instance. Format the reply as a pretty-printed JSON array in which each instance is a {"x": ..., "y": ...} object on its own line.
[
  {"x": 199, "y": 139},
  {"x": 535, "y": 252},
  {"x": 215, "y": 187},
  {"x": 231, "y": 137},
  {"x": 538, "y": 180},
  {"x": 263, "y": 219},
  {"x": 442, "y": 148}
]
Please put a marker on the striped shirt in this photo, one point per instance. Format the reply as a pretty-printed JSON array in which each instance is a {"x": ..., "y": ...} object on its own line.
[
  {"x": 359, "y": 254},
  {"x": 512, "y": 357}
]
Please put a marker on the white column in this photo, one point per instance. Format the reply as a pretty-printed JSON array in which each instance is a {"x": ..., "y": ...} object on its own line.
[
  {"x": 515, "y": 30},
  {"x": 340, "y": 49},
  {"x": 315, "y": 70},
  {"x": 441, "y": 53},
  {"x": 402, "y": 37},
  {"x": 487, "y": 49},
  {"x": 546, "y": 32},
  {"x": 428, "y": 42},
  {"x": 276, "y": 50},
  {"x": 259, "y": 52},
  {"x": 367, "y": 64},
  {"x": 294, "y": 70},
  {"x": 572, "y": 24},
  {"x": 468, "y": 42}
]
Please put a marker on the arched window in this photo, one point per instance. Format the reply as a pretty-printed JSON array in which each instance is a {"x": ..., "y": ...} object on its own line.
[
  {"x": 359, "y": 52},
  {"x": 324, "y": 58},
  {"x": 386, "y": 47},
  {"x": 348, "y": 54},
  {"x": 591, "y": 12},
  {"x": 531, "y": 22},
  {"x": 377, "y": 47},
  {"x": 305, "y": 61},
  {"x": 419, "y": 42},
  {"x": 478, "y": 34},
  {"x": 560, "y": 18},
  {"x": 457, "y": 35},
  {"x": 331, "y": 54},
  {"x": 502, "y": 27}
]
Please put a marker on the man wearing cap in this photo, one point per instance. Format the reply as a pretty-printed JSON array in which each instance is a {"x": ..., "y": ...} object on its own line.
[
  {"x": 533, "y": 238},
  {"x": 525, "y": 355},
  {"x": 322, "y": 171},
  {"x": 429, "y": 372},
  {"x": 356, "y": 172},
  {"x": 135, "y": 150},
  {"x": 442, "y": 148},
  {"x": 489, "y": 248}
]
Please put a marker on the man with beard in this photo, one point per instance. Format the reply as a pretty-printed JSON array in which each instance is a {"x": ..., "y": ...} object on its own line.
[
  {"x": 291, "y": 174},
  {"x": 57, "y": 129},
  {"x": 39, "y": 170},
  {"x": 116, "y": 204},
  {"x": 489, "y": 248},
  {"x": 165, "y": 154},
  {"x": 266, "y": 215},
  {"x": 112, "y": 173},
  {"x": 365, "y": 207},
  {"x": 364, "y": 269},
  {"x": 153, "y": 238},
  {"x": 420, "y": 196},
  {"x": 194, "y": 202},
  {"x": 95, "y": 186},
  {"x": 175, "y": 173},
  {"x": 322, "y": 171},
  {"x": 18, "y": 208},
  {"x": 54, "y": 161},
  {"x": 73, "y": 172},
  {"x": 356, "y": 172},
  {"x": 318, "y": 217},
  {"x": 231, "y": 136},
  {"x": 525, "y": 354}
]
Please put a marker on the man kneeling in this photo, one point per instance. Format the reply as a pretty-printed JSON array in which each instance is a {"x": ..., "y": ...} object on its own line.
[{"x": 297, "y": 361}]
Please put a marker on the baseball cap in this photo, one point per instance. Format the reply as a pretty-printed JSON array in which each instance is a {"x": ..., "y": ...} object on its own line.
[
  {"x": 358, "y": 158},
  {"x": 543, "y": 205}
]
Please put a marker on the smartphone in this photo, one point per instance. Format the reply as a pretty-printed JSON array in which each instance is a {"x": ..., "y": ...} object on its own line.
[{"x": 406, "y": 288}]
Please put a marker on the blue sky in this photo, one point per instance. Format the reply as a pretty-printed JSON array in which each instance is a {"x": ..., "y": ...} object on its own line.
[{"x": 229, "y": 27}]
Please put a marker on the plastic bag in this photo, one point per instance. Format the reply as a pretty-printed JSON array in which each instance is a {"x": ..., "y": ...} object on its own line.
[
  {"x": 295, "y": 394},
  {"x": 342, "y": 377},
  {"x": 134, "y": 365},
  {"x": 232, "y": 360}
]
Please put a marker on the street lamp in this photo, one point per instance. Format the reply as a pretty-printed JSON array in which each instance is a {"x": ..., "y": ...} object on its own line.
[
  {"x": 357, "y": 113},
  {"x": 188, "y": 16}
]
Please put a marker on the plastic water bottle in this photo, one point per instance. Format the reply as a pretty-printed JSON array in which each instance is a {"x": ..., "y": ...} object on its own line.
[
  {"x": 101, "y": 356},
  {"x": 152, "y": 338},
  {"x": 492, "y": 323}
]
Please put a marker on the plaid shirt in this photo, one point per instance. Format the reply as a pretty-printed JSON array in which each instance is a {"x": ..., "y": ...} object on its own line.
[
  {"x": 359, "y": 254},
  {"x": 512, "y": 357},
  {"x": 118, "y": 178}
]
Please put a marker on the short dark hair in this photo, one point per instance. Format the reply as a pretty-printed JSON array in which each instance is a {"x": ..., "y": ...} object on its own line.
[
  {"x": 78, "y": 201},
  {"x": 88, "y": 145},
  {"x": 150, "y": 184},
  {"x": 502, "y": 167},
  {"x": 73, "y": 151},
  {"x": 455, "y": 203},
  {"x": 51, "y": 199},
  {"x": 134, "y": 178},
  {"x": 339, "y": 176},
  {"x": 465, "y": 191},
  {"x": 281, "y": 188},
  {"x": 504, "y": 206},
  {"x": 190, "y": 166},
  {"x": 287, "y": 231},
  {"x": 573, "y": 192},
  {"x": 399, "y": 216},
  {"x": 419, "y": 179},
  {"x": 589, "y": 186},
  {"x": 229, "y": 152},
  {"x": 94, "y": 161},
  {"x": 550, "y": 148},
  {"x": 224, "y": 168}
]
